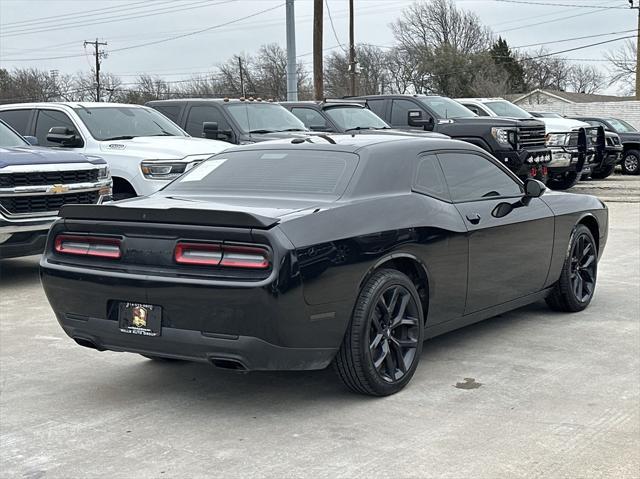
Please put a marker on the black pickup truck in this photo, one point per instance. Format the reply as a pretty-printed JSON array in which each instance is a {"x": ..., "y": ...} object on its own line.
[
  {"x": 518, "y": 143},
  {"x": 628, "y": 136},
  {"x": 237, "y": 121}
]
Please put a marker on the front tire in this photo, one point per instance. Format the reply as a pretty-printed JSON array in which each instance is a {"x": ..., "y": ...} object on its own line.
[
  {"x": 564, "y": 181},
  {"x": 382, "y": 345},
  {"x": 574, "y": 290},
  {"x": 631, "y": 162}
]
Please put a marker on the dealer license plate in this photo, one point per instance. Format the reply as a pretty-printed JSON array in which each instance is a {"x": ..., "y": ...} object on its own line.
[{"x": 139, "y": 318}]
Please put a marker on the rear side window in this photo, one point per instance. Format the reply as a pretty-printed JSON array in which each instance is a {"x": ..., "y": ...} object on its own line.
[
  {"x": 271, "y": 173},
  {"x": 199, "y": 114},
  {"x": 429, "y": 178},
  {"x": 310, "y": 117},
  {"x": 377, "y": 106},
  {"x": 473, "y": 177},
  {"x": 170, "y": 111},
  {"x": 17, "y": 119},
  {"x": 48, "y": 119}
]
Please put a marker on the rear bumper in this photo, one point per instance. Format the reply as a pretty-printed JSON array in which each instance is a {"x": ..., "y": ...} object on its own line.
[
  {"x": 262, "y": 325},
  {"x": 248, "y": 353}
]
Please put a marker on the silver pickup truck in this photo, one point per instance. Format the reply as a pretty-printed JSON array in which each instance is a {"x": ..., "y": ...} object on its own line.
[{"x": 34, "y": 183}]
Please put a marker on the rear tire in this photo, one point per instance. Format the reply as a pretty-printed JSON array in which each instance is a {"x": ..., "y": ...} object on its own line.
[
  {"x": 383, "y": 342},
  {"x": 631, "y": 162},
  {"x": 565, "y": 181},
  {"x": 575, "y": 288},
  {"x": 602, "y": 173}
]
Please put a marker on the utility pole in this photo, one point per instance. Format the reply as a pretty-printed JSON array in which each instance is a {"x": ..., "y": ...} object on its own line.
[
  {"x": 241, "y": 77},
  {"x": 98, "y": 54},
  {"x": 317, "y": 50},
  {"x": 292, "y": 78},
  {"x": 352, "y": 52},
  {"x": 637, "y": 50}
]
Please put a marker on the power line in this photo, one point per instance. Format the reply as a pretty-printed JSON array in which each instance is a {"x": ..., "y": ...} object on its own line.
[
  {"x": 117, "y": 18},
  {"x": 573, "y": 39},
  {"x": 70, "y": 15},
  {"x": 525, "y": 2},
  {"x": 326, "y": 2},
  {"x": 130, "y": 47},
  {"x": 546, "y": 22}
]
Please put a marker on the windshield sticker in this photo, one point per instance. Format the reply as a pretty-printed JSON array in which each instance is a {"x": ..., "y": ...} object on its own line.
[{"x": 203, "y": 169}]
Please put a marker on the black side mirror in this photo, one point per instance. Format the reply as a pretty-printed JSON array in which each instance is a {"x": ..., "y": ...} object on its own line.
[
  {"x": 415, "y": 118},
  {"x": 533, "y": 188},
  {"x": 64, "y": 136},
  {"x": 32, "y": 140},
  {"x": 210, "y": 130}
]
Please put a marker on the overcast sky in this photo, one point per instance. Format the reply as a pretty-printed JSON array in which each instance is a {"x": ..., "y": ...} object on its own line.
[{"x": 128, "y": 23}]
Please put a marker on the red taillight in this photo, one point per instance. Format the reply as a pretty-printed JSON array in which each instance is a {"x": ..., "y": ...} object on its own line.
[
  {"x": 88, "y": 246},
  {"x": 230, "y": 256}
]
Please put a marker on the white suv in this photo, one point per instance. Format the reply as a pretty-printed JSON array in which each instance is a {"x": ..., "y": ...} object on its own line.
[
  {"x": 502, "y": 107},
  {"x": 143, "y": 148}
]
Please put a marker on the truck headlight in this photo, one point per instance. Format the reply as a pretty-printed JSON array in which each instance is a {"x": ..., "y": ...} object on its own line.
[
  {"x": 162, "y": 170},
  {"x": 504, "y": 136},
  {"x": 103, "y": 173},
  {"x": 557, "y": 139}
]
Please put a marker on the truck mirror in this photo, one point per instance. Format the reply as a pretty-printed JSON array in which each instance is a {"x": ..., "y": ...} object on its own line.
[
  {"x": 64, "y": 136},
  {"x": 210, "y": 130},
  {"x": 414, "y": 118}
]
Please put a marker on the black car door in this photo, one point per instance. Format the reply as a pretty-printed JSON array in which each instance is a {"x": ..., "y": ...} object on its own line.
[{"x": 509, "y": 256}]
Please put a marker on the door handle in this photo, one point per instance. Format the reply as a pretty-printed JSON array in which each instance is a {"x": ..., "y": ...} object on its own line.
[{"x": 474, "y": 219}]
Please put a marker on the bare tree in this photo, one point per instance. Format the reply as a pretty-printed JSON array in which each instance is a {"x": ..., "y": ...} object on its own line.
[
  {"x": 545, "y": 72},
  {"x": 585, "y": 79},
  {"x": 623, "y": 67},
  {"x": 32, "y": 84},
  {"x": 372, "y": 78},
  {"x": 440, "y": 41}
]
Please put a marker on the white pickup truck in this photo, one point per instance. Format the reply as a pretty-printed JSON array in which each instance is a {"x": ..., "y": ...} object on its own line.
[{"x": 143, "y": 148}]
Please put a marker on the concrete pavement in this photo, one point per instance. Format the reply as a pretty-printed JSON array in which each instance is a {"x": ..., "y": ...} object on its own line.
[{"x": 545, "y": 395}]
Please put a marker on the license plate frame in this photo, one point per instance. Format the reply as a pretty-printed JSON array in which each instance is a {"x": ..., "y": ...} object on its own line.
[{"x": 140, "y": 318}]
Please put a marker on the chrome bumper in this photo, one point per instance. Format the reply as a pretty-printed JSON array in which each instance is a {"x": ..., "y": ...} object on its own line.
[{"x": 40, "y": 221}]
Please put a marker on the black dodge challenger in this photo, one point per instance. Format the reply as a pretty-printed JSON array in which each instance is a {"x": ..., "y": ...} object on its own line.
[{"x": 298, "y": 253}]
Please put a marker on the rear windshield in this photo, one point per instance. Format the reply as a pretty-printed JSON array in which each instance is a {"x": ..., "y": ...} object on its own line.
[{"x": 280, "y": 173}]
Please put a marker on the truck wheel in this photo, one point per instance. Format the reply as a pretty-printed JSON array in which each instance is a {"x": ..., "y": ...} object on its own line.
[
  {"x": 564, "y": 181},
  {"x": 382, "y": 345},
  {"x": 631, "y": 162},
  {"x": 122, "y": 189},
  {"x": 574, "y": 290},
  {"x": 602, "y": 173}
]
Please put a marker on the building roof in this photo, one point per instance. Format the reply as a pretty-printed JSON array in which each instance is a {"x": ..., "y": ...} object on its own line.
[{"x": 569, "y": 97}]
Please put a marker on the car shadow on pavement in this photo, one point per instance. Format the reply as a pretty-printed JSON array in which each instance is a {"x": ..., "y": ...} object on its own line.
[
  {"x": 208, "y": 388},
  {"x": 19, "y": 271}
]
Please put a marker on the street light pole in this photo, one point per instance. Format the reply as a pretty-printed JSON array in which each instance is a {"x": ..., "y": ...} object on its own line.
[{"x": 292, "y": 80}]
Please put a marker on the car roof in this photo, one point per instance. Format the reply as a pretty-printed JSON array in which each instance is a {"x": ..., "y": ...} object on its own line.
[
  {"x": 354, "y": 143},
  {"x": 212, "y": 100},
  {"x": 71, "y": 104},
  {"x": 480, "y": 100}
]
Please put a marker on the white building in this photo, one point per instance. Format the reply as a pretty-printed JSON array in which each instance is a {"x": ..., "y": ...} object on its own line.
[{"x": 576, "y": 104}]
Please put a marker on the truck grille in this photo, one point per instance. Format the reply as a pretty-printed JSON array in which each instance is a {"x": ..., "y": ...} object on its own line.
[
  {"x": 12, "y": 180},
  {"x": 44, "y": 203},
  {"x": 531, "y": 136}
]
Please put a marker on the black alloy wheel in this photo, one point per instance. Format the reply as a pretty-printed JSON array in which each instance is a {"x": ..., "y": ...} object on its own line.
[
  {"x": 382, "y": 345},
  {"x": 631, "y": 162},
  {"x": 574, "y": 290},
  {"x": 393, "y": 334}
]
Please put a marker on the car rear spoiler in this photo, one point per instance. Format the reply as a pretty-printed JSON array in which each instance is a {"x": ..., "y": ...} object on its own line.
[{"x": 187, "y": 216}]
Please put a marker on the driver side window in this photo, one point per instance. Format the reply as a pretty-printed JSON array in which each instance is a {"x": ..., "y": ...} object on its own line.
[{"x": 472, "y": 177}]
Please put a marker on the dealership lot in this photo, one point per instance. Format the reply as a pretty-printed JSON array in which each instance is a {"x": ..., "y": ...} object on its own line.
[{"x": 531, "y": 393}]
